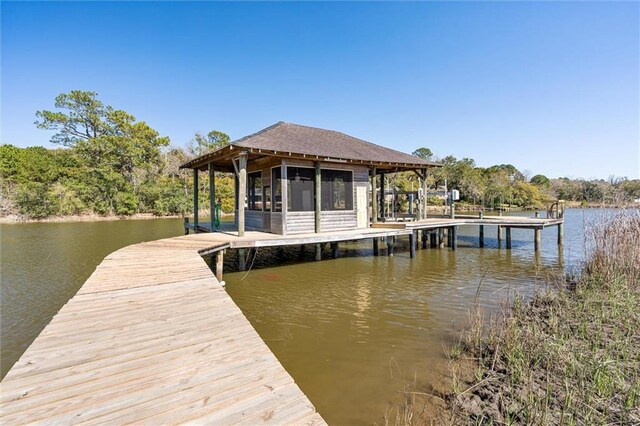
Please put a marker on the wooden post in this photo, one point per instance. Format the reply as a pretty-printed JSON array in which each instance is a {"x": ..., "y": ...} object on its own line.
[
  {"x": 195, "y": 200},
  {"x": 560, "y": 234},
  {"x": 425, "y": 236},
  {"x": 212, "y": 197},
  {"x": 285, "y": 195},
  {"x": 242, "y": 260},
  {"x": 537, "y": 215},
  {"x": 499, "y": 236},
  {"x": 508, "y": 237},
  {"x": 317, "y": 198},
  {"x": 481, "y": 231},
  {"x": 434, "y": 238},
  {"x": 318, "y": 251},
  {"x": 376, "y": 246},
  {"x": 334, "y": 250},
  {"x": 389, "y": 246},
  {"x": 219, "y": 264},
  {"x": 425, "y": 187},
  {"x": 537, "y": 238},
  {"x": 382, "y": 198},
  {"x": 374, "y": 197},
  {"x": 441, "y": 236},
  {"x": 412, "y": 244},
  {"x": 242, "y": 191},
  {"x": 454, "y": 237},
  {"x": 448, "y": 232}
]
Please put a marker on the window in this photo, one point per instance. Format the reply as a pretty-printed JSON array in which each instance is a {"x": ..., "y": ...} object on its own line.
[
  {"x": 276, "y": 188},
  {"x": 255, "y": 191},
  {"x": 301, "y": 189},
  {"x": 337, "y": 190},
  {"x": 267, "y": 198}
]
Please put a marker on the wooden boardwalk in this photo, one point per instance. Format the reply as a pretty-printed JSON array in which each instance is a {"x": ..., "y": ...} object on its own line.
[{"x": 153, "y": 338}]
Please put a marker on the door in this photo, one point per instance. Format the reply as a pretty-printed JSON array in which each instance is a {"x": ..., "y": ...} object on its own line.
[{"x": 362, "y": 207}]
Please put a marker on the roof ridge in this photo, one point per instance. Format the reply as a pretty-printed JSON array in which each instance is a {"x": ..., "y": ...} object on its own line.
[{"x": 257, "y": 133}]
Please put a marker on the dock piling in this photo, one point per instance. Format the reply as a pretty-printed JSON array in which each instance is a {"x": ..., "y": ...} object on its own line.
[
  {"x": 441, "y": 232},
  {"x": 425, "y": 237},
  {"x": 376, "y": 246},
  {"x": 334, "y": 250},
  {"x": 318, "y": 251},
  {"x": 454, "y": 237},
  {"x": 389, "y": 246},
  {"x": 560, "y": 234},
  {"x": 481, "y": 231},
  {"x": 186, "y": 226},
  {"x": 219, "y": 264},
  {"x": 242, "y": 260},
  {"x": 537, "y": 238},
  {"x": 412, "y": 244},
  {"x": 499, "y": 236},
  {"x": 508, "y": 228}
]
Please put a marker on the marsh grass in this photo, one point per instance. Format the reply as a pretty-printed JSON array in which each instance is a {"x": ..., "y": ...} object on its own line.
[{"x": 570, "y": 355}]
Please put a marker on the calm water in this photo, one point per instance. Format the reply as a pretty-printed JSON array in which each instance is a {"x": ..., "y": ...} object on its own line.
[{"x": 352, "y": 331}]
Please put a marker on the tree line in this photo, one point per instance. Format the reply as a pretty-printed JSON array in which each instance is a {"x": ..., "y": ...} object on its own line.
[{"x": 109, "y": 163}]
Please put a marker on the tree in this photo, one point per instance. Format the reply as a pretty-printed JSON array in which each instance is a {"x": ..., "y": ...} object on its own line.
[
  {"x": 424, "y": 153},
  {"x": 540, "y": 180},
  {"x": 210, "y": 142}
]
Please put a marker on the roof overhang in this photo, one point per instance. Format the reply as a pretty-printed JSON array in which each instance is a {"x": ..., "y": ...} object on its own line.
[{"x": 222, "y": 160}]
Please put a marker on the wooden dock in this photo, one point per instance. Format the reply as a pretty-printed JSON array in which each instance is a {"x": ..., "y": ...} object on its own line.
[{"x": 152, "y": 337}]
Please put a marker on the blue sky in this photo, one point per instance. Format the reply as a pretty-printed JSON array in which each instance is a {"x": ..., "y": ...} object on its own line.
[{"x": 552, "y": 88}]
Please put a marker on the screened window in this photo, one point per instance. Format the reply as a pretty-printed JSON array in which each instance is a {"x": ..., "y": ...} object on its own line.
[
  {"x": 301, "y": 189},
  {"x": 337, "y": 190},
  {"x": 255, "y": 191},
  {"x": 276, "y": 189}
]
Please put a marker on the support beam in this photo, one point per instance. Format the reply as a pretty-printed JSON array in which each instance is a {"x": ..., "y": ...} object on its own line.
[
  {"x": 374, "y": 197},
  {"x": 441, "y": 241},
  {"x": 284, "y": 194},
  {"x": 376, "y": 246},
  {"x": 242, "y": 191},
  {"x": 537, "y": 239},
  {"x": 382, "y": 197},
  {"x": 318, "y": 202},
  {"x": 425, "y": 188},
  {"x": 195, "y": 200},
  {"x": 508, "y": 228},
  {"x": 334, "y": 250},
  {"x": 212, "y": 197},
  {"x": 448, "y": 233},
  {"x": 499, "y": 236},
  {"x": 219, "y": 264},
  {"x": 318, "y": 251},
  {"x": 389, "y": 246},
  {"x": 412, "y": 244}
]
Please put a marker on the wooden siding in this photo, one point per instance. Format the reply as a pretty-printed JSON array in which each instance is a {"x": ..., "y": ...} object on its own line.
[{"x": 301, "y": 222}]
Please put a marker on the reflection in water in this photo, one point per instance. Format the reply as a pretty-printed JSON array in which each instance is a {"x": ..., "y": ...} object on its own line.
[{"x": 351, "y": 331}]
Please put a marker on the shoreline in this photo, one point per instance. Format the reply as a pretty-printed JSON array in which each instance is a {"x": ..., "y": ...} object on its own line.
[{"x": 13, "y": 219}]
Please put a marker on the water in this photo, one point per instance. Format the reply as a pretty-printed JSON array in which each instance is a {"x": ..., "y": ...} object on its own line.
[{"x": 352, "y": 331}]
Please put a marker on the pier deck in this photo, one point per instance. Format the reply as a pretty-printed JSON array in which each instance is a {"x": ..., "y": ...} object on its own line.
[{"x": 152, "y": 337}]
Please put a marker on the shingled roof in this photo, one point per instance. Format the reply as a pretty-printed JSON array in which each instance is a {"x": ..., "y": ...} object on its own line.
[{"x": 297, "y": 140}]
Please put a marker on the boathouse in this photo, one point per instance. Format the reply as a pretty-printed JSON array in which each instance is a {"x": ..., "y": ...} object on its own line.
[{"x": 294, "y": 179}]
